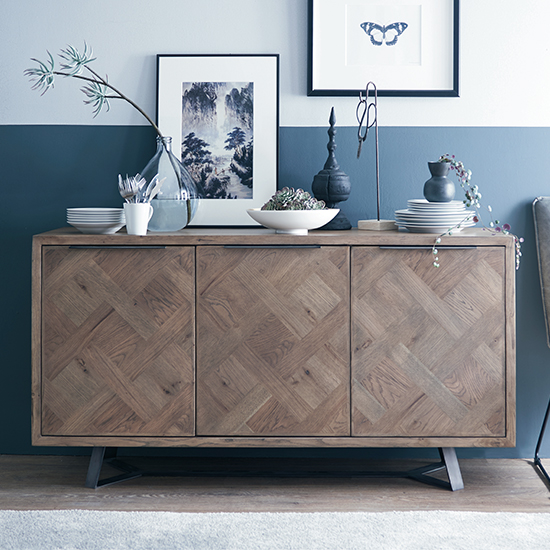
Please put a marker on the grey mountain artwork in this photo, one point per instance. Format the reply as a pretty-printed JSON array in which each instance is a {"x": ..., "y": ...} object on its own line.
[{"x": 217, "y": 137}]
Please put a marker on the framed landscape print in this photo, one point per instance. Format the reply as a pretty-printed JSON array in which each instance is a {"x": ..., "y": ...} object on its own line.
[
  {"x": 222, "y": 112},
  {"x": 406, "y": 47}
]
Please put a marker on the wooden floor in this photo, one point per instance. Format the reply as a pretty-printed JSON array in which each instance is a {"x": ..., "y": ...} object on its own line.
[{"x": 48, "y": 482}]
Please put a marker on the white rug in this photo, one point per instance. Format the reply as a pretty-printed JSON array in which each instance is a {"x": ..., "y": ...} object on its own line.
[{"x": 77, "y": 529}]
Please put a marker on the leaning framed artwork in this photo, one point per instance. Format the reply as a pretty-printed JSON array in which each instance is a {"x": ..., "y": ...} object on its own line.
[
  {"x": 222, "y": 112},
  {"x": 406, "y": 47}
]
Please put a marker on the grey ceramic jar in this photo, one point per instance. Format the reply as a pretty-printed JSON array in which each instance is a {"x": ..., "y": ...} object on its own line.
[{"x": 439, "y": 188}]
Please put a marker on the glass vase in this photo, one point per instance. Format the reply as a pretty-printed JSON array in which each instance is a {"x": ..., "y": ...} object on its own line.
[{"x": 177, "y": 201}]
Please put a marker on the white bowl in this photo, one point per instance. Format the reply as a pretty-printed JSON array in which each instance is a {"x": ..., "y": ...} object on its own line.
[
  {"x": 293, "y": 222},
  {"x": 106, "y": 228}
]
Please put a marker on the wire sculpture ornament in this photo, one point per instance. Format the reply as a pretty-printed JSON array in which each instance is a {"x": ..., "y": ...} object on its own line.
[{"x": 367, "y": 118}]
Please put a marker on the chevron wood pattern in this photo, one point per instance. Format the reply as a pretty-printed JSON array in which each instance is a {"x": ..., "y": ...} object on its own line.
[
  {"x": 118, "y": 341},
  {"x": 273, "y": 341},
  {"x": 428, "y": 345}
]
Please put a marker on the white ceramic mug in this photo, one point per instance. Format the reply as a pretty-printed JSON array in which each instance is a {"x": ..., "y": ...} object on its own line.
[{"x": 137, "y": 215}]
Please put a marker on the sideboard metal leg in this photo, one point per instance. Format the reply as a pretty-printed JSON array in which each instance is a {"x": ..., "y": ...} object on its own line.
[
  {"x": 102, "y": 455},
  {"x": 448, "y": 456},
  {"x": 94, "y": 468}
]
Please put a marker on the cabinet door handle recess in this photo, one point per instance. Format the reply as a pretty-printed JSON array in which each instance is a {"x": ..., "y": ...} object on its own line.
[
  {"x": 280, "y": 246},
  {"x": 428, "y": 247},
  {"x": 123, "y": 246}
]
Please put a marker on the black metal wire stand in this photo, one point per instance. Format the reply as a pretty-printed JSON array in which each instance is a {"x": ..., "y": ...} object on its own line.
[{"x": 371, "y": 120}]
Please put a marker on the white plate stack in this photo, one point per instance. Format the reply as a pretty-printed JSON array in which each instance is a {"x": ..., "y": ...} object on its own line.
[
  {"x": 101, "y": 221},
  {"x": 422, "y": 216}
]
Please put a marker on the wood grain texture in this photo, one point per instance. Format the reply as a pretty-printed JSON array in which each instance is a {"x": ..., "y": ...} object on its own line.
[
  {"x": 428, "y": 345},
  {"x": 191, "y": 236},
  {"x": 273, "y": 341},
  {"x": 117, "y": 342},
  {"x": 36, "y": 342},
  {"x": 510, "y": 327},
  {"x": 261, "y": 441}
]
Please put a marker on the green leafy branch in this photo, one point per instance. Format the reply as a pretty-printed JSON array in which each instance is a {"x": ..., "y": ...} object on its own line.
[{"x": 97, "y": 89}]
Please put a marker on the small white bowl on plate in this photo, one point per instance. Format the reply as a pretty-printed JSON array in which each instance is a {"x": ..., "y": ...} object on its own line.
[{"x": 293, "y": 222}]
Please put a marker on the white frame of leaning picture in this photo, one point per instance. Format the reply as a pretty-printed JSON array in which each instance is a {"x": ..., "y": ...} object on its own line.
[{"x": 258, "y": 72}]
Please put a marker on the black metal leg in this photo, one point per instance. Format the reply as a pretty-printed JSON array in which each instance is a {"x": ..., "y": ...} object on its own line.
[
  {"x": 448, "y": 456},
  {"x": 94, "y": 468},
  {"x": 538, "y": 462},
  {"x": 449, "y": 463},
  {"x": 100, "y": 455}
]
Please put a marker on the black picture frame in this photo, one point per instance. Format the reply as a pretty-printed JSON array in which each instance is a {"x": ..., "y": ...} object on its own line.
[{"x": 330, "y": 33}]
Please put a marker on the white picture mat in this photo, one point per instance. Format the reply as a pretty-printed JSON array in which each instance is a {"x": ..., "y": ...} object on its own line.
[
  {"x": 330, "y": 38},
  {"x": 263, "y": 71},
  {"x": 359, "y": 49}
]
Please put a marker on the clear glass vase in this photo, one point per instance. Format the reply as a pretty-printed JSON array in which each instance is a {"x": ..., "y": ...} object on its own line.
[{"x": 176, "y": 203}]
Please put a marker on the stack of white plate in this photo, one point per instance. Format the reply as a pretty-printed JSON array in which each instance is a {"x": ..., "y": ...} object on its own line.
[
  {"x": 422, "y": 216},
  {"x": 102, "y": 221}
]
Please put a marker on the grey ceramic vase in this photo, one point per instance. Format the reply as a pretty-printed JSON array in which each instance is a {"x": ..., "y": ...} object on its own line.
[{"x": 439, "y": 188}]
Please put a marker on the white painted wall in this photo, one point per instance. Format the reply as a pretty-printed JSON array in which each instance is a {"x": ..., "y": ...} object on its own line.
[{"x": 504, "y": 59}]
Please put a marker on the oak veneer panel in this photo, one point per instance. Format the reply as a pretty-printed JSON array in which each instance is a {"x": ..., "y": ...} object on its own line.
[
  {"x": 428, "y": 345},
  {"x": 273, "y": 341},
  {"x": 117, "y": 342}
]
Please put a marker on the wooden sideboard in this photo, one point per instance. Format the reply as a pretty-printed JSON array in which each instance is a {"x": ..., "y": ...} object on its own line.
[{"x": 248, "y": 338}]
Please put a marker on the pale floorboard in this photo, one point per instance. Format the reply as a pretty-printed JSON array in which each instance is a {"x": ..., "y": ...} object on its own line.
[{"x": 54, "y": 482}]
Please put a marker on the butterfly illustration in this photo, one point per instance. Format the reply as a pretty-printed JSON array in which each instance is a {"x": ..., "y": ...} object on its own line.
[{"x": 384, "y": 33}]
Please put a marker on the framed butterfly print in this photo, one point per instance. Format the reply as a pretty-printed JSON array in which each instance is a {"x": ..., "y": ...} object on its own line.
[
  {"x": 406, "y": 47},
  {"x": 222, "y": 112}
]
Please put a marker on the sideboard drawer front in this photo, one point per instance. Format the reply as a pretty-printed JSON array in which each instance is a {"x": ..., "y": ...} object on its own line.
[
  {"x": 118, "y": 341},
  {"x": 273, "y": 341},
  {"x": 428, "y": 344}
]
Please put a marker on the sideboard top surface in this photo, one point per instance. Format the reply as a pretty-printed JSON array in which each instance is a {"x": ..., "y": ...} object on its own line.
[{"x": 259, "y": 236}]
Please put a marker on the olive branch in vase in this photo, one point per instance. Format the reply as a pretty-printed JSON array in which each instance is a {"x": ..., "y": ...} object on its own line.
[{"x": 97, "y": 89}]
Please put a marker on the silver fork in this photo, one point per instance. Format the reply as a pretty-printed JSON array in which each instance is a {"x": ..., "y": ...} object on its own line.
[{"x": 130, "y": 187}]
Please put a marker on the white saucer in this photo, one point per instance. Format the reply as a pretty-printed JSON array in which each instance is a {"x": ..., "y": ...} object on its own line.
[
  {"x": 430, "y": 229},
  {"x": 424, "y": 204},
  {"x": 94, "y": 210}
]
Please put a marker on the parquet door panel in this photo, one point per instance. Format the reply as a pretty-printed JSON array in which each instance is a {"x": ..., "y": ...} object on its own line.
[
  {"x": 118, "y": 353},
  {"x": 428, "y": 345},
  {"x": 273, "y": 341}
]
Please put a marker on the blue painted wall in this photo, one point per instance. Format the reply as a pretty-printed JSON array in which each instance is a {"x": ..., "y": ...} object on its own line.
[{"x": 45, "y": 169}]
